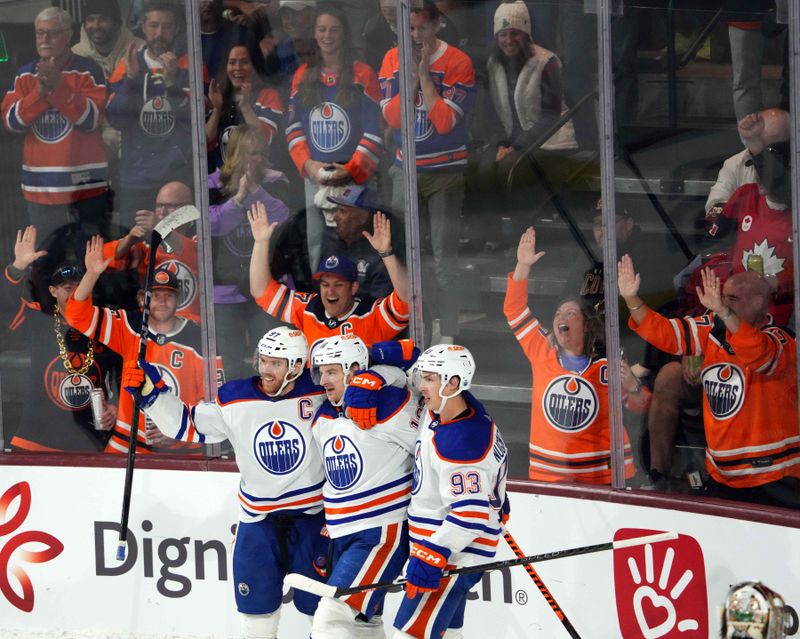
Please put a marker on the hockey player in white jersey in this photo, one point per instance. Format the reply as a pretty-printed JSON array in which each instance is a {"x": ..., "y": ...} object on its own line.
[
  {"x": 458, "y": 495},
  {"x": 368, "y": 469},
  {"x": 267, "y": 419}
]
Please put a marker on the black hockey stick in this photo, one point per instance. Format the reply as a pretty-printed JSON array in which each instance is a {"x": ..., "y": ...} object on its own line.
[
  {"x": 562, "y": 617},
  {"x": 177, "y": 218},
  {"x": 307, "y": 584}
]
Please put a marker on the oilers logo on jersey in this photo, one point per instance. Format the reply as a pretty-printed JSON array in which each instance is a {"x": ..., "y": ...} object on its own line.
[
  {"x": 343, "y": 462},
  {"x": 570, "y": 403},
  {"x": 186, "y": 280},
  {"x": 240, "y": 240},
  {"x": 416, "y": 478},
  {"x": 52, "y": 126},
  {"x": 224, "y": 139},
  {"x": 279, "y": 447},
  {"x": 157, "y": 117},
  {"x": 329, "y": 127},
  {"x": 423, "y": 127},
  {"x": 724, "y": 388},
  {"x": 70, "y": 392}
]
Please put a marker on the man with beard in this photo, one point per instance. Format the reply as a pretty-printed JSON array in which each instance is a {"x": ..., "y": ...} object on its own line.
[
  {"x": 105, "y": 40},
  {"x": 149, "y": 104}
]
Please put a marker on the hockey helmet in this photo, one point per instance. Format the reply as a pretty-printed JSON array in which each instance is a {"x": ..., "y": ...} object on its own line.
[
  {"x": 344, "y": 350},
  {"x": 287, "y": 343},
  {"x": 447, "y": 361},
  {"x": 753, "y": 611}
]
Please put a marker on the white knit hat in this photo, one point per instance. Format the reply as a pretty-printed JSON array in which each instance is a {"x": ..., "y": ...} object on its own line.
[{"x": 512, "y": 15}]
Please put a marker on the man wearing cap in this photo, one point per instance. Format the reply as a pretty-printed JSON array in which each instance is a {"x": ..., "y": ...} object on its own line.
[
  {"x": 64, "y": 365},
  {"x": 174, "y": 346},
  {"x": 57, "y": 103},
  {"x": 337, "y": 309},
  {"x": 105, "y": 40},
  {"x": 355, "y": 207}
]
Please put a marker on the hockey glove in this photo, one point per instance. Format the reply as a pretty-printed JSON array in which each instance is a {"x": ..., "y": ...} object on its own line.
[
  {"x": 425, "y": 565},
  {"x": 361, "y": 398},
  {"x": 143, "y": 376},
  {"x": 505, "y": 511},
  {"x": 322, "y": 553},
  {"x": 401, "y": 353}
]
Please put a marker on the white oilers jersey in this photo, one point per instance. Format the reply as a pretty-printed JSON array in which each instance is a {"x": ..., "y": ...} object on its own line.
[
  {"x": 368, "y": 472},
  {"x": 280, "y": 466},
  {"x": 459, "y": 484}
]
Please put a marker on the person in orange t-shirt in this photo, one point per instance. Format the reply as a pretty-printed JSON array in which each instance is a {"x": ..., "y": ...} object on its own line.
[{"x": 570, "y": 436}]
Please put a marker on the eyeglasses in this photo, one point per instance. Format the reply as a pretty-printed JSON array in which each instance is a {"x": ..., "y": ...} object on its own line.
[
  {"x": 43, "y": 34},
  {"x": 169, "y": 206}
]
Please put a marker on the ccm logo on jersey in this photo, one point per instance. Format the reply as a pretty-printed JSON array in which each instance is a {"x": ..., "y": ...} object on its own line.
[
  {"x": 723, "y": 385},
  {"x": 570, "y": 403}
]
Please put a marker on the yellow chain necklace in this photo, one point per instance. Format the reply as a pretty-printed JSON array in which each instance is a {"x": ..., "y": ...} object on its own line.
[{"x": 62, "y": 349}]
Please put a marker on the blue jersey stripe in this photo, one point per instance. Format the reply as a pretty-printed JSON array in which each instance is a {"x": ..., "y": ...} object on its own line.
[
  {"x": 371, "y": 491},
  {"x": 286, "y": 495},
  {"x": 366, "y": 515}
]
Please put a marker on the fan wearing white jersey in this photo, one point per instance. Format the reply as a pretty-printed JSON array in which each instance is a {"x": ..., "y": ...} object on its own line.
[
  {"x": 368, "y": 471},
  {"x": 267, "y": 419},
  {"x": 458, "y": 495}
]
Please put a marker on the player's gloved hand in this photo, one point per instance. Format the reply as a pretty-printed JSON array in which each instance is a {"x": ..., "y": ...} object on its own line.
[
  {"x": 401, "y": 353},
  {"x": 361, "y": 398},
  {"x": 425, "y": 565},
  {"x": 505, "y": 511},
  {"x": 144, "y": 376},
  {"x": 321, "y": 554}
]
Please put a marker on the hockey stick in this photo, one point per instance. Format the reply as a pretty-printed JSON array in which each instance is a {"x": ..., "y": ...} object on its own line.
[
  {"x": 177, "y": 218},
  {"x": 307, "y": 584},
  {"x": 562, "y": 617}
]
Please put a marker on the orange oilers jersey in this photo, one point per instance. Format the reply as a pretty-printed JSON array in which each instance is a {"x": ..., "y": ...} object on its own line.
[
  {"x": 441, "y": 134},
  {"x": 749, "y": 394},
  {"x": 177, "y": 357},
  {"x": 63, "y": 159},
  {"x": 182, "y": 262},
  {"x": 372, "y": 320},
  {"x": 570, "y": 437},
  {"x": 333, "y": 131}
]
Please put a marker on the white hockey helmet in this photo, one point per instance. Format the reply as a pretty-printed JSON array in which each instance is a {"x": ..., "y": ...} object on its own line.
[
  {"x": 344, "y": 350},
  {"x": 753, "y": 611},
  {"x": 284, "y": 342},
  {"x": 447, "y": 361}
]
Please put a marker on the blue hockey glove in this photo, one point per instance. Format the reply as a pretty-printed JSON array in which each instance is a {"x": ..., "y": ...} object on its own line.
[
  {"x": 425, "y": 565},
  {"x": 321, "y": 553},
  {"x": 401, "y": 353},
  {"x": 505, "y": 511},
  {"x": 146, "y": 377}
]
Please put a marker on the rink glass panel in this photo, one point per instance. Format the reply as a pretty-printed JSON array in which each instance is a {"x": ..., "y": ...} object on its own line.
[{"x": 671, "y": 134}]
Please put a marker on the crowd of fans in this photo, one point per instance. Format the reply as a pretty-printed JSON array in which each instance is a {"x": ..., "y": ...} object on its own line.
[{"x": 307, "y": 211}]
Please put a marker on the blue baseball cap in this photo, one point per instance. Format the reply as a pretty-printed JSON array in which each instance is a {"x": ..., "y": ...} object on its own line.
[
  {"x": 340, "y": 266},
  {"x": 358, "y": 196}
]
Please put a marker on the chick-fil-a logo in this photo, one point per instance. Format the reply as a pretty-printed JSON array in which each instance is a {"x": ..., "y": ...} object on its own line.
[{"x": 13, "y": 548}]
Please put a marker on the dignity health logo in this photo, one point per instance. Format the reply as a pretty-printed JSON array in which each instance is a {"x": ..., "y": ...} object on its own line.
[
  {"x": 15, "y": 549},
  {"x": 661, "y": 588}
]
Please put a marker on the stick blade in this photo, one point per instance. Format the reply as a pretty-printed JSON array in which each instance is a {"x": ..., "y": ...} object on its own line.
[
  {"x": 647, "y": 539},
  {"x": 307, "y": 584},
  {"x": 179, "y": 217}
]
